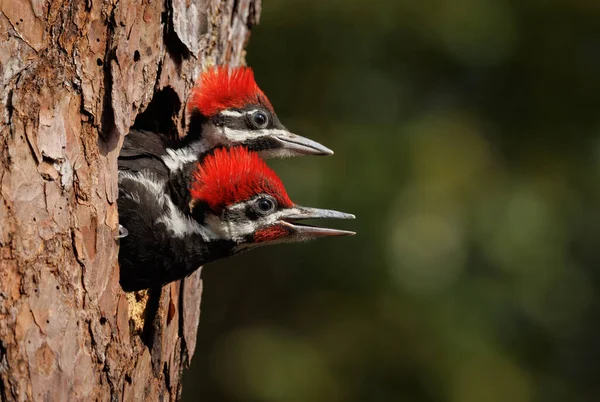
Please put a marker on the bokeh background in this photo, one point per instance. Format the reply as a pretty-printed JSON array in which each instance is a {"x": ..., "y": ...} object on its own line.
[{"x": 467, "y": 140}]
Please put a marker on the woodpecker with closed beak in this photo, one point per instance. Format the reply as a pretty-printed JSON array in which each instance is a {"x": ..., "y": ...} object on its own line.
[
  {"x": 237, "y": 203},
  {"x": 227, "y": 108}
]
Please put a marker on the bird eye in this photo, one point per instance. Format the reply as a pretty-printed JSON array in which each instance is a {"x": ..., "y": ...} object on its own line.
[
  {"x": 265, "y": 205},
  {"x": 260, "y": 119}
]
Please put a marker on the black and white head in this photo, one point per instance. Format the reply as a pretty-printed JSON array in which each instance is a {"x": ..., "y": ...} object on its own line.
[
  {"x": 240, "y": 199},
  {"x": 229, "y": 109}
]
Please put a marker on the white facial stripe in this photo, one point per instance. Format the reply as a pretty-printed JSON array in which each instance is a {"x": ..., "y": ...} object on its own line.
[
  {"x": 262, "y": 222},
  {"x": 179, "y": 224},
  {"x": 146, "y": 179},
  {"x": 175, "y": 159},
  {"x": 231, "y": 113},
  {"x": 243, "y": 135},
  {"x": 233, "y": 230},
  {"x": 234, "y": 113},
  {"x": 237, "y": 230}
]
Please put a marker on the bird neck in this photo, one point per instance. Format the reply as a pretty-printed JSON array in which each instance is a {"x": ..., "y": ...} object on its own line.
[
  {"x": 171, "y": 258},
  {"x": 186, "y": 149},
  {"x": 178, "y": 185},
  {"x": 192, "y": 251},
  {"x": 163, "y": 243}
]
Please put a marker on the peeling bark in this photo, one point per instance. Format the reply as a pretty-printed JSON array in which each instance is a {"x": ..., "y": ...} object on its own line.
[{"x": 75, "y": 76}]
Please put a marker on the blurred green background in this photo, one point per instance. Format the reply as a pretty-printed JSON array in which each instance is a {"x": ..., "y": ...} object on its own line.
[{"x": 467, "y": 143}]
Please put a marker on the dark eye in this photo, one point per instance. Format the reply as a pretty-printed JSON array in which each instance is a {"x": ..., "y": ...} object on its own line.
[
  {"x": 265, "y": 205},
  {"x": 260, "y": 119}
]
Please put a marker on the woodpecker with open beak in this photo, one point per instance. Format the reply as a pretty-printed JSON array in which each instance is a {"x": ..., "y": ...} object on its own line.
[
  {"x": 237, "y": 203},
  {"x": 227, "y": 108}
]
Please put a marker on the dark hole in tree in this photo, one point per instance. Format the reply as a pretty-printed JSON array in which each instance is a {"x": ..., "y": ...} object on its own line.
[
  {"x": 108, "y": 134},
  {"x": 99, "y": 62},
  {"x": 160, "y": 115},
  {"x": 148, "y": 332},
  {"x": 102, "y": 320},
  {"x": 166, "y": 371},
  {"x": 136, "y": 56}
]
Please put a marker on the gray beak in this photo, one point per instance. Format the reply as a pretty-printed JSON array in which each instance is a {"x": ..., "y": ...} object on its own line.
[
  {"x": 297, "y": 145},
  {"x": 307, "y": 232}
]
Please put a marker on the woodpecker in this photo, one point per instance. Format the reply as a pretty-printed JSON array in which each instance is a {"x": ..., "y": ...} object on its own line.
[
  {"x": 227, "y": 108},
  {"x": 237, "y": 203}
]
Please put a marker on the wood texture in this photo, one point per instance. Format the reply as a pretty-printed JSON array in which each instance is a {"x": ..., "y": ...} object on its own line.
[{"x": 75, "y": 75}]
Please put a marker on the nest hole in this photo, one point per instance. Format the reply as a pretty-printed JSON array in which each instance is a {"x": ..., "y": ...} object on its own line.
[{"x": 161, "y": 114}]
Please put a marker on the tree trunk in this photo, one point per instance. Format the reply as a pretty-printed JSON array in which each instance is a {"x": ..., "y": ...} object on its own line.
[{"x": 75, "y": 76}]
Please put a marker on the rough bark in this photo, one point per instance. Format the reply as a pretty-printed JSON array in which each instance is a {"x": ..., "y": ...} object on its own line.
[{"x": 75, "y": 76}]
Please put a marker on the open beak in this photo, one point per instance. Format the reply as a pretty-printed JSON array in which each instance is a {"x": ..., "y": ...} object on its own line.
[
  {"x": 297, "y": 145},
  {"x": 300, "y": 232}
]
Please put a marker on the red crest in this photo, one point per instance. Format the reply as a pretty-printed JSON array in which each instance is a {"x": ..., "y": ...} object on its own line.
[
  {"x": 232, "y": 175},
  {"x": 222, "y": 88}
]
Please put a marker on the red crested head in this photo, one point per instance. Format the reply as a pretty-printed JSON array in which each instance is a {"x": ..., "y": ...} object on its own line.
[
  {"x": 232, "y": 175},
  {"x": 221, "y": 88}
]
